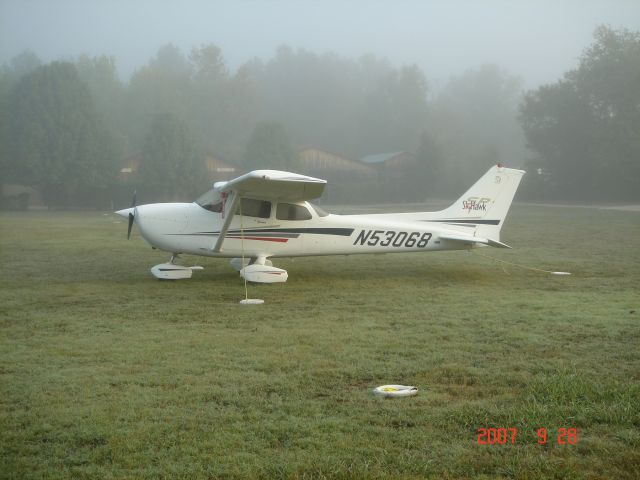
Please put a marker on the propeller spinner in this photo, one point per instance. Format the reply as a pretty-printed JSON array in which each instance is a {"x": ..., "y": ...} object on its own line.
[{"x": 132, "y": 214}]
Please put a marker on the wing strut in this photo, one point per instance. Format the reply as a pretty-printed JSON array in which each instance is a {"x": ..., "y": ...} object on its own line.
[{"x": 228, "y": 213}]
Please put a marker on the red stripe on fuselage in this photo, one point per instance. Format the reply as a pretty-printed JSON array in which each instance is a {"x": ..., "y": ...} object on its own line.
[{"x": 263, "y": 239}]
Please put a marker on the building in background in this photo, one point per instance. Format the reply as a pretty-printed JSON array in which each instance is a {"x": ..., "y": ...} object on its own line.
[
  {"x": 220, "y": 170},
  {"x": 323, "y": 164},
  {"x": 396, "y": 161}
]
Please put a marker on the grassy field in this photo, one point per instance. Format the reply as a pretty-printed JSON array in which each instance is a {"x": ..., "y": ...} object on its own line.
[{"x": 108, "y": 373}]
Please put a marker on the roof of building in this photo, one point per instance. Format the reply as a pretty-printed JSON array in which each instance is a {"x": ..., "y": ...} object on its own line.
[
  {"x": 380, "y": 157},
  {"x": 346, "y": 160}
]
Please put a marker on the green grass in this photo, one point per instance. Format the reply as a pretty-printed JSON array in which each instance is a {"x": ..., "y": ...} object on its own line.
[{"x": 108, "y": 373}]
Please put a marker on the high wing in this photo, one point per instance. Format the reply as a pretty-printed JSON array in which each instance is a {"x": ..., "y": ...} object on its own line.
[
  {"x": 274, "y": 184},
  {"x": 267, "y": 184}
]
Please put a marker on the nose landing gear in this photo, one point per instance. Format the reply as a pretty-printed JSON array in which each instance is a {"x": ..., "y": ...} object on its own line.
[{"x": 171, "y": 271}]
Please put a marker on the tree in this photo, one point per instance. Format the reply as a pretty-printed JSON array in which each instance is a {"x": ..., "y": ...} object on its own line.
[
  {"x": 20, "y": 65},
  {"x": 10, "y": 75},
  {"x": 101, "y": 76},
  {"x": 394, "y": 113},
  {"x": 558, "y": 126},
  {"x": 208, "y": 63},
  {"x": 585, "y": 128},
  {"x": 172, "y": 165},
  {"x": 309, "y": 94},
  {"x": 162, "y": 86},
  {"x": 241, "y": 114},
  {"x": 269, "y": 148},
  {"x": 477, "y": 113},
  {"x": 223, "y": 106},
  {"x": 430, "y": 168},
  {"x": 58, "y": 142},
  {"x": 355, "y": 107}
]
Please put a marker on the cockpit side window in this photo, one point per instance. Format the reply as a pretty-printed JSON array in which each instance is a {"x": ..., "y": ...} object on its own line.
[
  {"x": 291, "y": 211},
  {"x": 254, "y": 208}
]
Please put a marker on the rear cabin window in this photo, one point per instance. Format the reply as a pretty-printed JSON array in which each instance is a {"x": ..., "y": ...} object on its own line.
[
  {"x": 254, "y": 208},
  {"x": 320, "y": 212},
  {"x": 290, "y": 211}
]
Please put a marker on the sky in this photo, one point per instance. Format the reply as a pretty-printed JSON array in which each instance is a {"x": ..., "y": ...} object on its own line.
[{"x": 536, "y": 40}]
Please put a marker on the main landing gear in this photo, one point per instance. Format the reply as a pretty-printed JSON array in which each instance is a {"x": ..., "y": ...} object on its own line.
[{"x": 259, "y": 270}]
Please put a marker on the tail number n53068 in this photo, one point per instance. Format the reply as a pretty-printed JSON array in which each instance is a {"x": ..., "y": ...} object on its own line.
[{"x": 391, "y": 238}]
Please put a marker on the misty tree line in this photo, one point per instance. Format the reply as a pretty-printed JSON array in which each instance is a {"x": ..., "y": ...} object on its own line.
[
  {"x": 66, "y": 126},
  {"x": 584, "y": 130}
]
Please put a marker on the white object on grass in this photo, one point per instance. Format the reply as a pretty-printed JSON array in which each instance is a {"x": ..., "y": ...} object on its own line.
[
  {"x": 252, "y": 301},
  {"x": 395, "y": 391}
]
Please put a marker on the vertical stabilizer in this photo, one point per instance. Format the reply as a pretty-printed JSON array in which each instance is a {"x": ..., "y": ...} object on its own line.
[{"x": 485, "y": 205}]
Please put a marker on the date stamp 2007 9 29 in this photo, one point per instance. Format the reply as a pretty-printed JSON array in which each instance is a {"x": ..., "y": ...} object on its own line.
[{"x": 509, "y": 436}]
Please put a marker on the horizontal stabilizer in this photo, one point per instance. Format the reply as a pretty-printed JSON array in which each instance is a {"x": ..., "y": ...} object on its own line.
[
  {"x": 494, "y": 243},
  {"x": 474, "y": 240}
]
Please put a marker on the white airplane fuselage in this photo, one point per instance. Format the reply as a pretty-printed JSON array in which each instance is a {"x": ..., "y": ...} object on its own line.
[{"x": 191, "y": 229}]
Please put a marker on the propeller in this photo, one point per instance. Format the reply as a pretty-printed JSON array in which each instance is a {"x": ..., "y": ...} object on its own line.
[{"x": 131, "y": 215}]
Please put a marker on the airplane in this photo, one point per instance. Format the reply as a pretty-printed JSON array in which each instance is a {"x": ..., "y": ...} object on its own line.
[{"x": 266, "y": 214}]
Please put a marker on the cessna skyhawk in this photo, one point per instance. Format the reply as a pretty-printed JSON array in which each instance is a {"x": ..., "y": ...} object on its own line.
[{"x": 266, "y": 214}]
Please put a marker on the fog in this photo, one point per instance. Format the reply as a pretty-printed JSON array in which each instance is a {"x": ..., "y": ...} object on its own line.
[
  {"x": 98, "y": 98},
  {"x": 536, "y": 40}
]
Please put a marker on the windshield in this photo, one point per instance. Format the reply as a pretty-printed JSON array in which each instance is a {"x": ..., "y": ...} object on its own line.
[{"x": 206, "y": 201}]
